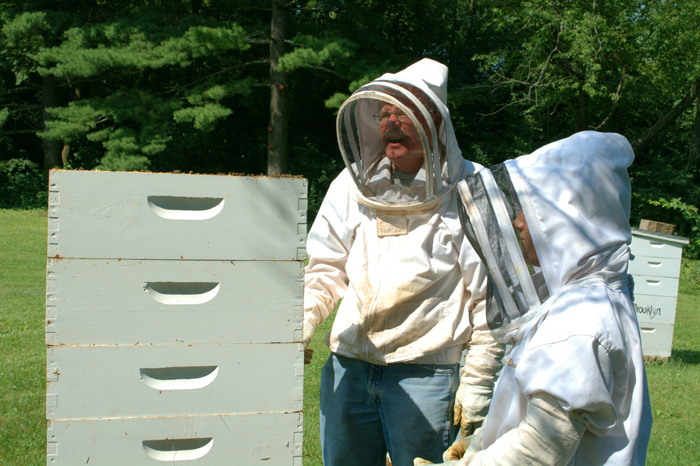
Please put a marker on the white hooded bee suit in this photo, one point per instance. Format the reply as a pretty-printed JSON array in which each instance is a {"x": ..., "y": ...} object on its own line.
[
  {"x": 412, "y": 288},
  {"x": 574, "y": 388}
]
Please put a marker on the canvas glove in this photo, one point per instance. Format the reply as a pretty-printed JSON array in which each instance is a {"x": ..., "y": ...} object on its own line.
[
  {"x": 422, "y": 462},
  {"x": 472, "y": 404},
  {"x": 478, "y": 377},
  {"x": 462, "y": 462},
  {"x": 307, "y": 332},
  {"x": 464, "y": 447}
]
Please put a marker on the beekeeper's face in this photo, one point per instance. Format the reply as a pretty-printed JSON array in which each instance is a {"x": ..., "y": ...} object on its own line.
[
  {"x": 401, "y": 141},
  {"x": 526, "y": 240}
]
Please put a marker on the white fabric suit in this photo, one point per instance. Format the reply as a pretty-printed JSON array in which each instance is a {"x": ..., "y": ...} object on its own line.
[
  {"x": 574, "y": 389},
  {"x": 412, "y": 287}
]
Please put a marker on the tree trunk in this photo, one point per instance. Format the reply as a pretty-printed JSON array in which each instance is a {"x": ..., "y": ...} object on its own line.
[
  {"x": 279, "y": 97},
  {"x": 641, "y": 142},
  {"x": 52, "y": 148}
]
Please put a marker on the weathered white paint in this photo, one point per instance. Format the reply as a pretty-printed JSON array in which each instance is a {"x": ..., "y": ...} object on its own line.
[
  {"x": 127, "y": 302},
  {"x": 166, "y": 216},
  {"x": 656, "y": 339},
  {"x": 91, "y": 382},
  {"x": 173, "y": 304},
  {"x": 241, "y": 440},
  {"x": 655, "y": 286},
  {"x": 655, "y": 309},
  {"x": 655, "y": 268},
  {"x": 652, "y": 244}
]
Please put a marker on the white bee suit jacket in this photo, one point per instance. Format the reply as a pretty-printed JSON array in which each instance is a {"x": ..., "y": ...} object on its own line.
[
  {"x": 412, "y": 286},
  {"x": 581, "y": 346},
  {"x": 407, "y": 298}
]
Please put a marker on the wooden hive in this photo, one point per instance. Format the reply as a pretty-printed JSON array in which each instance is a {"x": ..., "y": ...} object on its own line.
[
  {"x": 656, "y": 267},
  {"x": 173, "y": 319}
]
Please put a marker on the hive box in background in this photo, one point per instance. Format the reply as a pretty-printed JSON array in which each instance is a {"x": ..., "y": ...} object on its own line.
[
  {"x": 656, "y": 270},
  {"x": 173, "y": 319}
]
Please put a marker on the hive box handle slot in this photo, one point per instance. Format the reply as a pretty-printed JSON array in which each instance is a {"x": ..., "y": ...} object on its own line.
[
  {"x": 181, "y": 292},
  {"x": 647, "y": 330},
  {"x": 178, "y": 378},
  {"x": 177, "y": 449},
  {"x": 185, "y": 208}
]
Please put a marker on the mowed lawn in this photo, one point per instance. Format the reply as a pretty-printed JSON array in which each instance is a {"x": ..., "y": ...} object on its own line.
[{"x": 674, "y": 387}]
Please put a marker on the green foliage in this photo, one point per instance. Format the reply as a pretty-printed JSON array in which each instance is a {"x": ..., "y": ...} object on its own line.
[
  {"x": 690, "y": 225},
  {"x": 142, "y": 72},
  {"x": 184, "y": 84},
  {"x": 22, "y": 185},
  {"x": 315, "y": 52},
  {"x": 204, "y": 117},
  {"x": 690, "y": 277},
  {"x": 336, "y": 100},
  {"x": 143, "y": 43},
  {"x": 320, "y": 170},
  {"x": 561, "y": 60},
  {"x": 4, "y": 113}
]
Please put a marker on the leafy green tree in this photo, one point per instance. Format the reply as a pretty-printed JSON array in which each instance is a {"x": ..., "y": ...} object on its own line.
[{"x": 135, "y": 77}]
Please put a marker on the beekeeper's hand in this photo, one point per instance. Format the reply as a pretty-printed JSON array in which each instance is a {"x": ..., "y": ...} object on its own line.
[
  {"x": 471, "y": 406},
  {"x": 308, "y": 355},
  {"x": 422, "y": 462},
  {"x": 464, "y": 447},
  {"x": 478, "y": 376},
  {"x": 307, "y": 331}
]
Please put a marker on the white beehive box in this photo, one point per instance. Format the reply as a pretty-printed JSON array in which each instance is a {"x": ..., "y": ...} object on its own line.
[
  {"x": 173, "y": 319},
  {"x": 656, "y": 270}
]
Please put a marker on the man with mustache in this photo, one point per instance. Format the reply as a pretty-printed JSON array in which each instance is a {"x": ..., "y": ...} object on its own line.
[{"x": 387, "y": 240}]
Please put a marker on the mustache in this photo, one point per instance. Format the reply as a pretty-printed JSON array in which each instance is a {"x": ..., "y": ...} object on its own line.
[{"x": 394, "y": 133}]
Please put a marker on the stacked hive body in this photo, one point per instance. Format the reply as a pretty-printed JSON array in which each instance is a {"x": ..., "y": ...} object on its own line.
[
  {"x": 174, "y": 307},
  {"x": 656, "y": 269}
]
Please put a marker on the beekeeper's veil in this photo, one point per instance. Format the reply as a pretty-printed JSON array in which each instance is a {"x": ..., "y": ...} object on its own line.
[
  {"x": 419, "y": 94},
  {"x": 575, "y": 196}
]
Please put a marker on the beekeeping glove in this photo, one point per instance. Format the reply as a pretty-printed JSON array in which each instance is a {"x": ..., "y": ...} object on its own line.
[
  {"x": 472, "y": 404},
  {"x": 307, "y": 332},
  {"x": 422, "y": 462},
  {"x": 464, "y": 447},
  {"x": 473, "y": 398},
  {"x": 548, "y": 436}
]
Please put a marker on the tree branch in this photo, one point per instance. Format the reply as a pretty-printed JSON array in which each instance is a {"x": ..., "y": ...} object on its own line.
[
  {"x": 640, "y": 143},
  {"x": 617, "y": 99}
]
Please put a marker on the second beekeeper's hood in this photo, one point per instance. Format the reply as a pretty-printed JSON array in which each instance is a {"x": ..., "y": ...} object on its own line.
[
  {"x": 418, "y": 96},
  {"x": 575, "y": 195}
]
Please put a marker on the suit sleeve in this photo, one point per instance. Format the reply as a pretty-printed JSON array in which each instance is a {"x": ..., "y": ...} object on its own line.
[{"x": 328, "y": 246}]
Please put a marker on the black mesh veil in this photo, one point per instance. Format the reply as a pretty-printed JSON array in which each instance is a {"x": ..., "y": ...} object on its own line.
[
  {"x": 487, "y": 210},
  {"x": 381, "y": 183}
]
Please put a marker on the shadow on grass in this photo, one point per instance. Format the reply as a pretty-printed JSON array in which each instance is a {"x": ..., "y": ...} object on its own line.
[{"x": 686, "y": 356}]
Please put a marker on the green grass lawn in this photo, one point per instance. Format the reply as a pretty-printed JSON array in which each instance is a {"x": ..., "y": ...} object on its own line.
[
  {"x": 674, "y": 387},
  {"x": 22, "y": 350}
]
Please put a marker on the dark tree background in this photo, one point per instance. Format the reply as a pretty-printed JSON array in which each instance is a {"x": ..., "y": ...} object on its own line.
[{"x": 252, "y": 86}]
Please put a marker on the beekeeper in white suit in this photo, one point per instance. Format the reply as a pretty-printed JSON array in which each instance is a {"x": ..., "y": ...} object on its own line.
[
  {"x": 387, "y": 239},
  {"x": 574, "y": 390}
]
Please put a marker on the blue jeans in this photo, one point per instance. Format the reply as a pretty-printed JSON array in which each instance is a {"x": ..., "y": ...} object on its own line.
[{"x": 368, "y": 409}]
